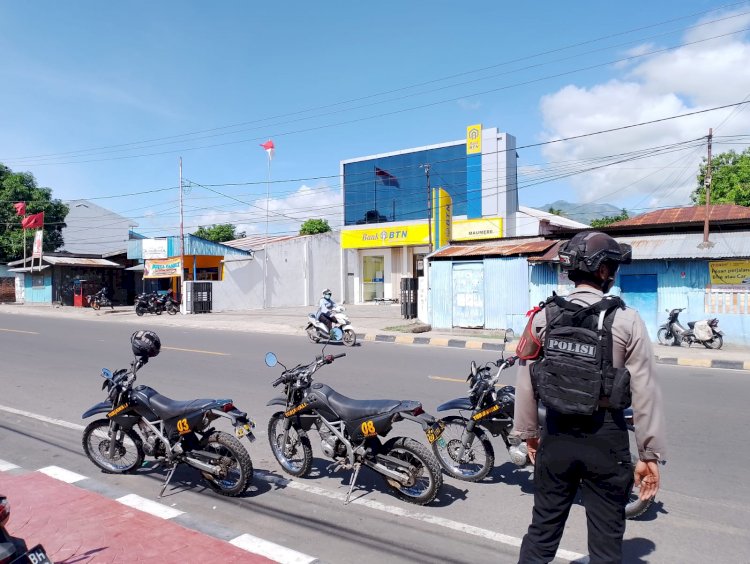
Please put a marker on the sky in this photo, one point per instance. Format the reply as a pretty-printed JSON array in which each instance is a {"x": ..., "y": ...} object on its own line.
[{"x": 100, "y": 100}]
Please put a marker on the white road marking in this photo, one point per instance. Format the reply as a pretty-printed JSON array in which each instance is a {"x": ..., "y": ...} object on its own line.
[
  {"x": 19, "y": 331},
  {"x": 401, "y": 512},
  {"x": 5, "y": 466},
  {"x": 271, "y": 550},
  {"x": 62, "y": 474},
  {"x": 148, "y": 506},
  {"x": 196, "y": 351},
  {"x": 376, "y": 505},
  {"x": 44, "y": 418}
]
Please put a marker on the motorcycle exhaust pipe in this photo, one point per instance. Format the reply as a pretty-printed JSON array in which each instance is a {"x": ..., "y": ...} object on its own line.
[
  {"x": 200, "y": 465},
  {"x": 387, "y": 472}
]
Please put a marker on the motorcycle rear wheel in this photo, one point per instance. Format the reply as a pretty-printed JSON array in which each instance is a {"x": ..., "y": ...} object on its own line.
[
  {"x": 426, "y": 471},
  {"x": 95, "y": 304},
  {"x": 128, "y": 450},
  {"x": 478, "y": 459},
  {"x": 350, "y": 338},
  {"x": 295, "y": 457},
  {"x": 716, "y": 343},
  {"x": 664, "y": 337},
  {"x": 171, "y": 309},
  {"x": 236, "y": 465},
  {"x": 312, "y": 334}
]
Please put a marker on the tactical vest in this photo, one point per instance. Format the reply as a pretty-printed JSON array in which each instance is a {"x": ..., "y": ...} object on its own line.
[{"x": 576, "y": 375}]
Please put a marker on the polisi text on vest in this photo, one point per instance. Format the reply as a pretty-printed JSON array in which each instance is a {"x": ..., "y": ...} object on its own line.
[{"x": 573, "y": 347}]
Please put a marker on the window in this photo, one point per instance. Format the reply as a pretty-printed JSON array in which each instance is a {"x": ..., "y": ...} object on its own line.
[
  {"x": 37, "y": 280},
  {"x": 727, "y": 299},
  {"x": 395, "y": 188}
]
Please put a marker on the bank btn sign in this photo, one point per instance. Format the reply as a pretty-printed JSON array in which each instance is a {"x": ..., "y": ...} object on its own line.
[
  {"x": 390, "y": 236},
  {"x": 474, "y": 139}
]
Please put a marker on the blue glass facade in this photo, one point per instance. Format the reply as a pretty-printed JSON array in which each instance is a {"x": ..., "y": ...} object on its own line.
[{"x": 394, "y": 188}]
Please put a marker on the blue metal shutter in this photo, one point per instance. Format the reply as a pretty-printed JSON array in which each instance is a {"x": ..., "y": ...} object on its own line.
[
  {"x": 441, "y": 294},
  {"x": 506, "y": 282},
  {"x": 468, "y": 294}
]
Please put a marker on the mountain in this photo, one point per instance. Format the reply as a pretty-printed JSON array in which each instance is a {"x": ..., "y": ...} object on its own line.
[{"x": 585, "y": 213}]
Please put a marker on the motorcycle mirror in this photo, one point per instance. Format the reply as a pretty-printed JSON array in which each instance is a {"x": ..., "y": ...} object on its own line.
[
  {"x": 337, "y": 334},
  {"x": 106, "y": 373},
  {"x": 271, "y": 360},
  {"x": 473, "y": 368},
  {"x": 509, "y": 335}
]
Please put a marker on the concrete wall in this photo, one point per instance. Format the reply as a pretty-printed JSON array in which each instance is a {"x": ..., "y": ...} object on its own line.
[
  {"x": 241, "y": 288},
  {"x": 93, "y": 229}
]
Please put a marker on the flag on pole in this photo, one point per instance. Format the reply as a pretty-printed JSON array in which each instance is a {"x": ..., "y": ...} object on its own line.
[
  {"x": 269, "y": 147},
  {"x": 32, "y": 221},
  {"x": 386, "y": 177},
  {"x": 20, "y": 208}
]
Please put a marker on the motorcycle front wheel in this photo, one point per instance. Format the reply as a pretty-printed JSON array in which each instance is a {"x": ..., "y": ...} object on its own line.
[
  {"x": 425, "y": 476},
  {"x": 716, "y": 343},
  {"x": 350, "y": 338},
  {"x": 128, "y": 455},
  {"x": 478, "y": 458},
  {"x": 236, "y": 468},
  {"x": 95, "y": 304},
  {"x": 139, "y": 311},
  {"x": 295, "y": 457},
  {"x": 664, "y": 337}
]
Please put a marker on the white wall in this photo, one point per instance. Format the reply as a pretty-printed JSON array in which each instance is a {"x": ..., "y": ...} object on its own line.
[{"x": 241, "y": 288}]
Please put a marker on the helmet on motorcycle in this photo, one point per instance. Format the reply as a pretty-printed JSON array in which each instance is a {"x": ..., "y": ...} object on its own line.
[
  {"x": 587, "y": 250},
  {"x": 326, "y": 293},
  {"x": 145, "y": 344}
]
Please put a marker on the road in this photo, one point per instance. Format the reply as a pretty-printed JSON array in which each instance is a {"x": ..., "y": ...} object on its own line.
[{"x": 51, "y": 367}]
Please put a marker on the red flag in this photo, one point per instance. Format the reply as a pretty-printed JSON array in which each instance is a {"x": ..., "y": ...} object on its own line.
[
  {"x": 33, "y": 221},
  {"x": 20, "y": 208},
  {"x": 386, "y": 177},
  {"x": 269, "y": 147}
]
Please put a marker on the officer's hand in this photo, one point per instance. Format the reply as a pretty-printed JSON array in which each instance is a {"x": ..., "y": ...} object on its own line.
[
  {"x": 532, "y": 445},
  {"x": 647, "y": 478}
]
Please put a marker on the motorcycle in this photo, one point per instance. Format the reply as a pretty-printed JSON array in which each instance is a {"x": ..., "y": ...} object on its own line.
[
  {"x": 14, "y": 550},
  {"x": 154, "y": 303},
  {"x": 318, "y": 331},
  {"x": 705, "y": 332},
  {"x": 350, "y": 432},
  {"x": 96, "y": 301},
  {"x": 141, "y": 422},
  {"x": 465, "y": 451}
]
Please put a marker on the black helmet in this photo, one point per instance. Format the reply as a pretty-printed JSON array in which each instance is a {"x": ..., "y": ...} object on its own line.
[
  {"x": 587, "y": 250},
  {"x": 145, "y": 344}
]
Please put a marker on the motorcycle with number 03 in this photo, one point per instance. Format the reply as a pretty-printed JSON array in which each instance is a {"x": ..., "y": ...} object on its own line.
[
  {"x": 465, "y": 451},
  {"x": 350, "y": 432},
  {"x": 139, "y": 421}
]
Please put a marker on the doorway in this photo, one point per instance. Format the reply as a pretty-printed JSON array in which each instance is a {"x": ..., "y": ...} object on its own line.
[{"x": 373, "y": 278}]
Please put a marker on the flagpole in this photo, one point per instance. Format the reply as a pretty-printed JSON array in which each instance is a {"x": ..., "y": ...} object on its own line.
[{"x": 265, "y": 247}]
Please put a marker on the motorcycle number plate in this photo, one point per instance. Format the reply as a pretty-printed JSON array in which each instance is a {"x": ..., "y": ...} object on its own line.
[
  {"x": 434, "y": 431},
  {"x": 36, "y": 555},
  {"x": 242, "y": 430}
]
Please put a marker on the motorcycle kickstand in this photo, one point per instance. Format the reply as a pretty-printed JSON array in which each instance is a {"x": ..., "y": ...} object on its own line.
[
  {"x": 355, "y": 473},
  {"x": 169, "y": 479}
]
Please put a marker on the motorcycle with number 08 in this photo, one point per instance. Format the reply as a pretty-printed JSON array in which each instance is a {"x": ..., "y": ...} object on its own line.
[
  {"x": 350, "y": 432},
  {"x": 140, "y": 421}
]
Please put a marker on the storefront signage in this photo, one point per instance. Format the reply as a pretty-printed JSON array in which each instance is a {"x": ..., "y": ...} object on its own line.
[
  {"x": 154, "y": 248},
  {"x": 391, "y": 236},
  {"x": 474, "y": 139},
  {"x": 476, "y": 229},
  {"x": 729, "y": 271},
  {"x": 442, "y": 217},
  {"x": 162, "y": 268}
]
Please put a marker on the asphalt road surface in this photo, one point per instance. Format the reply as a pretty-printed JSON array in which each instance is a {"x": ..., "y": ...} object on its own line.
[{"x": 52, "y": 367}]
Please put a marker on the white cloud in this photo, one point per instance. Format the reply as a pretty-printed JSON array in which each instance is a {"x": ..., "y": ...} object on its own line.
[
  {"x": 690, "y": 78},
  {"x": 469, "y": 105}
]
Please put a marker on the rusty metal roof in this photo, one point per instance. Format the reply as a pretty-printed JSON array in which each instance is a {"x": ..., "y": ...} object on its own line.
[
  {"x": 497, "y": 249},
  {"x": 692, "y": 214},
  {"x": 257, "y": 242},
  {"x": 79, "y": 261}
]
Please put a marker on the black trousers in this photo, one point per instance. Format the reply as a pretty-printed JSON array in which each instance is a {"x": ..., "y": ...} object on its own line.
[
  {"x": 326, "y": 319},
  {"x": 587, "y": 452}
]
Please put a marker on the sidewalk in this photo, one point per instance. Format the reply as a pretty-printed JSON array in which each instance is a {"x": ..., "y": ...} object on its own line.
[{"x": 380, "y": 323}]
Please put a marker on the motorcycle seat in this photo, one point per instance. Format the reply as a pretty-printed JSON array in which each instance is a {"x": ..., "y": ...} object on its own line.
[
  {"x": 348, "y": 408},
  {"x": 166, "y": 408}
]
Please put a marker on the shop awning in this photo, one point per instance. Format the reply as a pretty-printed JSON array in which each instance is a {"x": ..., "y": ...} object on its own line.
[
  {"x": 28, "y": 268},
  {"x": 78, "y": 261},
  {"x": 136, "y": 268},
  {"x": 494, "y": 249}
]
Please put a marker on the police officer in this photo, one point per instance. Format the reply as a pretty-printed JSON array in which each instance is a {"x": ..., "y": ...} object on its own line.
[{"x": 586, "y": 357}]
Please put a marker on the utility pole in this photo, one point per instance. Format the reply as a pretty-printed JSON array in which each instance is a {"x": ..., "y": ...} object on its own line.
[
  {"x": 182, "y": 247},
  {"x": 429, "y": 206},
  {"x": 707, "y": 182}
]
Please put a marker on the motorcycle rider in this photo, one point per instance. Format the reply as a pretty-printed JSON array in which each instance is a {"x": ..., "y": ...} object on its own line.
[
  {"x": 590, "y": 353},
  {"x": 325, "y": 307}
]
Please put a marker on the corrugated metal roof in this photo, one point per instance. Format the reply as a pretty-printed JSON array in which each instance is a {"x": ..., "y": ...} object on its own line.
[
  {"x": 496, "y": 249},
  {"x": 687, "y": 215},
  {"x": 256, "y": 242},
  {"x": 732, "y": 244},
  {"x": 77, "y": 261}
]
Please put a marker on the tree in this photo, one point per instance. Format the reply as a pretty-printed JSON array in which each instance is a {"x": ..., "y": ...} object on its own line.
[
  {"x": 609, "y": 219},
  {"x": 313, "y": 226},
  {"x": 219, "y": 233},
  {"x": 730, "y": 182},
  {"x": 555, "y": 211},
  {"x": 22, "y": 187}
]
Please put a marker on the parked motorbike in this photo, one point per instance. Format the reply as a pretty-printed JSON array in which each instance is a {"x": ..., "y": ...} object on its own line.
[
  {"x": 350, "y": 432},
  {"x": 155, "y": 303},
  {"x": 465, "y": 451},
  {"x": 14, "y": 550},
  {"x": 705, "y": 332},
  {"x": 318, "y": 331},
  {"x": 141, "y": 422},
  {"x": 96, "y": 301}
]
